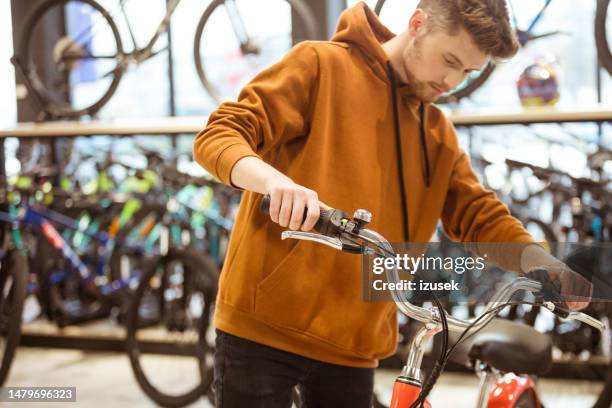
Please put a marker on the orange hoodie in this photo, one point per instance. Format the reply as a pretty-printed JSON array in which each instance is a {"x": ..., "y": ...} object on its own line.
[{"x": 329, "y": 117}]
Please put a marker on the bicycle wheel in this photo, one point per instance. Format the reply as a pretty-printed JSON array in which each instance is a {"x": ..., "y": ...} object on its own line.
[
  {"x": 235, "y": 39},
  {"x": 66, "y": 297},
  {"x": 172, "y": 306},
  {"x": 540, "y": 231},
  {"x": 75, "y": 71},
  {"x": 13, "y": 274},
  {"x": 603, "y": 34},
  {"x": 395, "y": 15},
  {"x": 605, "y": 397},
  {"x": 527, "y": 399}
]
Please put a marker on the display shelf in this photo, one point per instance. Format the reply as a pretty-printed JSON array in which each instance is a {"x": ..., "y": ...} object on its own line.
[
  {"x": 105, "y": 335},
  {"x": 527, "y": 116},
  {"x": 101, "y": 335},
  {"x": 119, "y": 127},
  {"x": 193, "y": 124}
]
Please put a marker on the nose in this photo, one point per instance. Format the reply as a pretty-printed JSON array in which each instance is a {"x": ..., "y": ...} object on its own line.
[{"x": 452, "y": 80}]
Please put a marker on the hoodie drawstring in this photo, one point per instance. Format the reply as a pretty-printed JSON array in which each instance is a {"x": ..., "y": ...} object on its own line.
[
  {"x": 424, "y": 145},
  {"x": 398, "y": 145}
]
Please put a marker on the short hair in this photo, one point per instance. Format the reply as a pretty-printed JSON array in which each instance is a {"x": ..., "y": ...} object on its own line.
[{"x": 487, "y": 22}]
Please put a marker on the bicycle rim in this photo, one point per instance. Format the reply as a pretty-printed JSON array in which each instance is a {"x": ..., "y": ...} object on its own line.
[
  {"x": 83, "y": 66},
  {"x": 173, "y": 301},
  {"x": 541, "y": 231},
  {"x": 602, "y": 38},
  {"x": 12, "y": 295},
  {"x": 224, "y": 67}
]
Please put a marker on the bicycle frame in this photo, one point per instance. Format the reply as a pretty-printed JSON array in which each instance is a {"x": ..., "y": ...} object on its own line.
[
  {"x": 143, "y": 54},
  {"x": 535, "y": 20},
  {"x": 38, "y": 217}
]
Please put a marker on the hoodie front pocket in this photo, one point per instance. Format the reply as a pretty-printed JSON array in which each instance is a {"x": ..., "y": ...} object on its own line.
[
  {"x": 288, "y": 295},
  {"x": 316, "y": 291},
  {"x": 269, "y": 281}
]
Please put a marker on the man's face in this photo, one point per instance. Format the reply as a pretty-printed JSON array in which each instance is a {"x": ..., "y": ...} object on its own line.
[{"x": 436, "y": 62}]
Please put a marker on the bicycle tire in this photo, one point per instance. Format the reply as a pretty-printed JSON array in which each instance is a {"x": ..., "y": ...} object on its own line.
[
  {"x": 549, "y": 235},
  {"x": 208, "y": 283},
  {"x": 299, "y": 9},
  {"x": 527, "y": 399},
  {"x": 604, "y": 400},
  {"x": 16, "y": 267},
  {"x": 65, "y": 296},
  {"x": 49, "y": 105},
  {"x": 469, "y": 88},
  {"x": 601, "y": 39}
]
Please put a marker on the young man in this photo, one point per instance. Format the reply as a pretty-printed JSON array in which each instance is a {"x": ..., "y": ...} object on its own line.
[{"x": 348, "y": 122}]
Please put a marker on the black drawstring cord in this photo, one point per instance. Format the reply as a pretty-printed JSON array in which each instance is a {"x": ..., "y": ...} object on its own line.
[
  {"x": 398, "y": 145},
  {"x": 424, "y": 145}
]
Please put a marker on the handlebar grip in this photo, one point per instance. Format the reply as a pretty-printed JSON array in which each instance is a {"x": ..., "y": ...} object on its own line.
[
  {"x": 324, "y": 224},
  {"x": 550, "y": 292}
]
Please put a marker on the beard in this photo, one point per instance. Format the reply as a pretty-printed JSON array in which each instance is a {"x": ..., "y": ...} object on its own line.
[{"x": 422, "y": 90}]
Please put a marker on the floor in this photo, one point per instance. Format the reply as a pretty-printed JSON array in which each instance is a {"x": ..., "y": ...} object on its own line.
[{"x": 106, "y": 379}]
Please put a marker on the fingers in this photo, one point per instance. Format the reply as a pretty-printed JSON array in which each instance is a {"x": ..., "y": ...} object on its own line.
[
  {"x": 314, "y": 211},
  {"x": 576, "y": 306},
  {"x": 276, "y": 199},
  {"x": 294, "y": 206},
  {"x": 286, "y": 207},
  {"x": 577, "y": 290},
  {"x": 299, "y": 208}
]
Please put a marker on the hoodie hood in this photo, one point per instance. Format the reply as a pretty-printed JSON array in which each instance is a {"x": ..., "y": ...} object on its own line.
[{"x": 360, "y": 26}]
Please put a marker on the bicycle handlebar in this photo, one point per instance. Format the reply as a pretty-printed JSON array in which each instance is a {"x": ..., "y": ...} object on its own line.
[{"x": 333, "y": 224}]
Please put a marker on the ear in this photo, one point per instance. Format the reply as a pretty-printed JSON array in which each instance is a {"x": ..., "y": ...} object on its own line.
[{"x": 417, "y": 22}]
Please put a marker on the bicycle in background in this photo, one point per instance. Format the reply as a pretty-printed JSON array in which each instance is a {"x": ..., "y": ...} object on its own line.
[{"x": 78, "y": 72}]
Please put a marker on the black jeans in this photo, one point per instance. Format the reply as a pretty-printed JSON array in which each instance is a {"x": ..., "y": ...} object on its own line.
[{"x": 249, "y": 374}]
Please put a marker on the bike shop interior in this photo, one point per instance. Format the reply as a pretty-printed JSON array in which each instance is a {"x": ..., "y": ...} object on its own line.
[{"x": 113, "y": 238}]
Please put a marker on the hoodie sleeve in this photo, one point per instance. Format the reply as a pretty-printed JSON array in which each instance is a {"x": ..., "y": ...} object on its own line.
[
  {"x": 271, "y": 110},
  {"x": 475, "y": 215}
]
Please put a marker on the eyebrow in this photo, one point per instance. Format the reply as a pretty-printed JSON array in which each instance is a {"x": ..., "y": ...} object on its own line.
[{"x": 458, "y": 61}]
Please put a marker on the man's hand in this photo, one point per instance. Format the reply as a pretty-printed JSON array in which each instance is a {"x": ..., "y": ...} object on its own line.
[
  {"x": 289, "y": 202},
  {"x": 574, "y": 288}
]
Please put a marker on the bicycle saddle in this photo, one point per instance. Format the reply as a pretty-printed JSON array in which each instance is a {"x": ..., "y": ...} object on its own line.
[{"x": 507, "y": 346}]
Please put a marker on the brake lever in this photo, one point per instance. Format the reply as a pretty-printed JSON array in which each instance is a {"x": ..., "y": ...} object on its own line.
[
  {"x": 333, "y": 242},
  {"x": 581, "y": 317},
  {"x": 550, "y": 298},
  {"x": 549, "y": 295},
  {"x": 591, "y": 321},
  {"x": 309, "y": 236}
]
